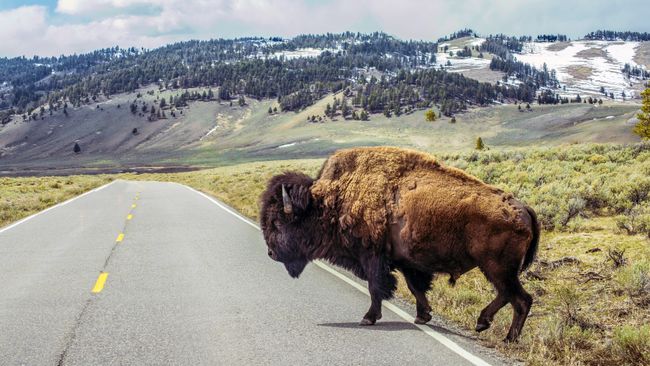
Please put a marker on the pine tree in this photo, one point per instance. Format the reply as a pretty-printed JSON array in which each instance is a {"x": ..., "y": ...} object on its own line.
[
  {"x": 642, "y": 128},
  {"x": 77, "y": 148},
  {"x": 270, "y": 110},
  {"x": 479, "y": 144},
  {"x": 345, "y": 110},
  {"x": 364, "y": 115}
]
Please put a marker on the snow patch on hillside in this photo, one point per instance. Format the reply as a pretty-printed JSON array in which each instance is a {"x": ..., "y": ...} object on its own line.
[
  {"x": 460, "y": 64},
  {"x": 586, "y": 66},
  {"x": 301, "y": 53}
]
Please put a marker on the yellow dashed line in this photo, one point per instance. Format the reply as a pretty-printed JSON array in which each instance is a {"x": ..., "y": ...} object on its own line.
[
  {"x": 120, "y": 237},
  {"x": 129, "y": 217},
  {"x": 133, "y": 205},
  {"x": 99, "y": 285}
]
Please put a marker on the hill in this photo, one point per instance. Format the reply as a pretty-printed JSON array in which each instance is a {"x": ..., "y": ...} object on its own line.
[
  {"x": 219, "y": 101},
  {"x": 209, "y": 132}
]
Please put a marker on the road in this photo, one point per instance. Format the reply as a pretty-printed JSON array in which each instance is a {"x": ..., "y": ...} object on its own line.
[{"x": 148, "y": 273}]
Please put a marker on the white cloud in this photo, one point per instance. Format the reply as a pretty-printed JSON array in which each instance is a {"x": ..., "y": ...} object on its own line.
[{"x": 77, "y": 7}]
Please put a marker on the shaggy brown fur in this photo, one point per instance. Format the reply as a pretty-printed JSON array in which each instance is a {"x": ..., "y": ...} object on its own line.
[
  {"x": 371, "y": 186},
  {"x": 374, "y": 210}
]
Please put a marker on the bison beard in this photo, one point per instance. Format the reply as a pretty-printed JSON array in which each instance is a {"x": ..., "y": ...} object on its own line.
[
  {"x": 377, "y": 210},
  {"x": 295, "y": 267}
]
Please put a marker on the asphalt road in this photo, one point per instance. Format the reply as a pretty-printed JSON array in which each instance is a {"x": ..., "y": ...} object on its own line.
[{"x": 188, "y": 283}]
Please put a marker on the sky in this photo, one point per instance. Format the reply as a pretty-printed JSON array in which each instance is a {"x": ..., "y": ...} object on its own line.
[{"x": 55, "y": 27}]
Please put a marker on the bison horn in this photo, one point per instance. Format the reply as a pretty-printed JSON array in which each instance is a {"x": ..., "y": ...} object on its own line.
[{"x": 288, "y": 208}]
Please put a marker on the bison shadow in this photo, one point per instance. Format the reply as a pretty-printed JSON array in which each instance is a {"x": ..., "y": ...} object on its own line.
[{"x": 393, "y": 326}]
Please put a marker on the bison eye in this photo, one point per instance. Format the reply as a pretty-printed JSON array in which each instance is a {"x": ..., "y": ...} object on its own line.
[
  {"x": 270, "y": 253},
  {"x": 276, "y": 223}
]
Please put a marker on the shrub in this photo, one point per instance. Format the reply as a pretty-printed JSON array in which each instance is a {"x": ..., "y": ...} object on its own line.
[
  {"x": 632, "y": 344},
  {"x": 635, "y": 281},
  {"x": 430, "y": 115},
  {"x": 635, "y": 221}
]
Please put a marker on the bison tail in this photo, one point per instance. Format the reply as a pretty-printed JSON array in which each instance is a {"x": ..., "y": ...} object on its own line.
[{"x": 534, "y": 243}]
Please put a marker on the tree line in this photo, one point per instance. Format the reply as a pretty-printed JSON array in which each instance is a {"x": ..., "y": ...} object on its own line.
[
  {"x": 251, "y": 67},
  {"x": 609, "y": 35}
]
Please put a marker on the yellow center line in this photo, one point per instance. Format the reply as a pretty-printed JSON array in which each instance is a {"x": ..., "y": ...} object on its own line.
[
  {"x": 129, "y": 217},
  {"x": 99, "y": 285},
  {"x": 120, "y": 238}
]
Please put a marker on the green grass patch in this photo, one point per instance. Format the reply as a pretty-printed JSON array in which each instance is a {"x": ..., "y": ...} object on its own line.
[{"x": 21, "y": 197}]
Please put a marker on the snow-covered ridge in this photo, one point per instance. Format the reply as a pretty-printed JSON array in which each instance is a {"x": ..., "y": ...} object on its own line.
[
  {"x": 460, "y": 64},
  {"x": 301, "y": 52},
  {"x": 586, "y": 66}
]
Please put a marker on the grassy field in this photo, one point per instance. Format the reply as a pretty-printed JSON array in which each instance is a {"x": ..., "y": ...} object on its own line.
[
  {"x": 591, "y": 282},
  {"x": 213, "y": 133},
  {"x": 21, "y": 197}
]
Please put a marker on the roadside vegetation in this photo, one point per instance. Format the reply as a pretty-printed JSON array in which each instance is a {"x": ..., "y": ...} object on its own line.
[
  {"x": 591, "y": 281},
  {"x": 21, "y": 197}
]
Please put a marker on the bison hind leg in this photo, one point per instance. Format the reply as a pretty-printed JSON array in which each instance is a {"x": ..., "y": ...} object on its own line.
[
  {"x": 487, "y": 314},
  {"x": 510, "y": 290}
]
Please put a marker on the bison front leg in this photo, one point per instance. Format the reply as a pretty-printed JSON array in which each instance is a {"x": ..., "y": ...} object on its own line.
[
  {"x": 419, "y": 283},
  {"x": 381, "y": 285}
]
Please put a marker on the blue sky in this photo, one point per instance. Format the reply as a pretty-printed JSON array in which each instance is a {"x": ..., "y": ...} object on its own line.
[{"x": 53, "y": 27}]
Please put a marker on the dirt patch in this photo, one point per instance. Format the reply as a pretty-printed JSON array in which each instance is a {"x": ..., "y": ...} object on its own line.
[
  {"x": 579, "y": 72},
  {"x": 642, "y": 56},
  {"x": 592, "y": 53},
  {"x": 558, "y": 46},
  {"x": 484, "y": 75}
]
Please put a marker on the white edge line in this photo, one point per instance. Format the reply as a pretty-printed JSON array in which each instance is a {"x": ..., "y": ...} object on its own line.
[
  {"x": 453, "y": 346},
  {"x": 224, "y": 206},
  {"x": 55, "y": 206}
]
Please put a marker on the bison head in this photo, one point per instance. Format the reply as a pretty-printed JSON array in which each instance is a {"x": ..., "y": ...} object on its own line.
[{"x": 286, "y": 206}]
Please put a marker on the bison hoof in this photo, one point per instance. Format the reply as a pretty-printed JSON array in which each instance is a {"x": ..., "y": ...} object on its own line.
[
  {"x": 365, "y": 322},
  {"x": 423, "y": 319},
  {"x": 482, "y": 325}
]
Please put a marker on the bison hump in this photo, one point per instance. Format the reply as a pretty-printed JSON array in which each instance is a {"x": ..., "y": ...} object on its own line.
[{"x": 360, "y": 184}]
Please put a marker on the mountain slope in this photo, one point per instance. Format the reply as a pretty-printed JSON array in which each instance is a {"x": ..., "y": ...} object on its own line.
[{"x": 209, "y": 133}]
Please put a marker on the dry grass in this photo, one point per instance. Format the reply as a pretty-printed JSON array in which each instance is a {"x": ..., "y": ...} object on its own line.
[
  {"x": 582, "y": 302},
  {"x": 580, "y": 72},
  {"x": 558, "y": 46},
  {"x": 21, "y": 197},
  {"x": 642, "y": 56},
  {"x": 240, "y": 185},
  {"x": 592, "y": 53}
]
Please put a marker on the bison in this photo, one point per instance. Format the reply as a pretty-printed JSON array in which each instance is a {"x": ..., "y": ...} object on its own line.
[{"x": 376, "y": 210}]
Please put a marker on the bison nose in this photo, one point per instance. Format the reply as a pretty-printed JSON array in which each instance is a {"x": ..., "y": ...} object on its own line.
[{"x": 270, "y": 253}]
